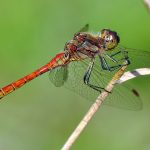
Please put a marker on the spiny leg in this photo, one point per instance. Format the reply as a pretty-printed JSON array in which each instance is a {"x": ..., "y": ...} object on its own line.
[
  {"x": 124, "y": 52},
  {"x": 104, "y": 63},
  {"x": 88, "y": 75},
  {"x": 106, "y": 66}
]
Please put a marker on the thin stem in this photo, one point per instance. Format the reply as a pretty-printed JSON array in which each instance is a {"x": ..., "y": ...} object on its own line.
[
  {"x": 93, "y": 109},
  {"x": 133, "y": 74}
]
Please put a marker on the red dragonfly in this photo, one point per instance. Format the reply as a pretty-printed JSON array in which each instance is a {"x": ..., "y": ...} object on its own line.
[{"x": 87, "y": 49}]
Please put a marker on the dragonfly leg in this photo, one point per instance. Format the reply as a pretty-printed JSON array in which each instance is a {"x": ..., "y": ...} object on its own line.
[
  {"x": 104, "y": 63},
  {"x": 119, "y": 62},
  {"x": 87, "y": 78},
  {"x": 121, "y": 50},
  {"x": 106, "y": 66},
  {"x": 124, "y": 53}
]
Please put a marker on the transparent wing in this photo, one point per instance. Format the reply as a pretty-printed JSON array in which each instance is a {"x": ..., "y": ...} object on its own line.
[
  {"x": 59, "y": 76},
  {"x": 124, "y": 96},
  {"x": 121, "y": 96},
  {"x": 138, "y": 58},
  {"x": 84, "y": 29}
]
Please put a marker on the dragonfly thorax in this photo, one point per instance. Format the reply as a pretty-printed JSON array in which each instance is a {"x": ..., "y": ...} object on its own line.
[{"x": 87, "y": 45}]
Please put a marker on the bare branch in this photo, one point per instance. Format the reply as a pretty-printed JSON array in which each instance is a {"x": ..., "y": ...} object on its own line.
[{"x": 132, "y": 74}]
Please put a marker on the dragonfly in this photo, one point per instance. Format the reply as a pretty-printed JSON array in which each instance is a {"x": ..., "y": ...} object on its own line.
[{"x": 85, "y": 66}]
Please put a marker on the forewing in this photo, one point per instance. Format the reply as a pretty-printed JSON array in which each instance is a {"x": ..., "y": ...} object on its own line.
[
  {"x": 124, "y": 96},
  {"x": 138, "y": 58},
  {"x": 84, "y": 29}
]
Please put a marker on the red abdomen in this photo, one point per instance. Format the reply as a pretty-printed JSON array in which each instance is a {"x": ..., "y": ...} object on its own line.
[{"x": 57, "y": 61}]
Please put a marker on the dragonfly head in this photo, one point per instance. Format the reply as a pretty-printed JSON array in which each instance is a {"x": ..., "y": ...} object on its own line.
[{"x": 110, "y": 39}]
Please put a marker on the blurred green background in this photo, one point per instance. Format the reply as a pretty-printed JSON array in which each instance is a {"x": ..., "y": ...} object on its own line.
[{"x": 40, "y": 116}]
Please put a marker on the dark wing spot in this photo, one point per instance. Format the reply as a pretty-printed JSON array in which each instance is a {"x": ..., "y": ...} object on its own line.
[{"x": 135, "y": 92}]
